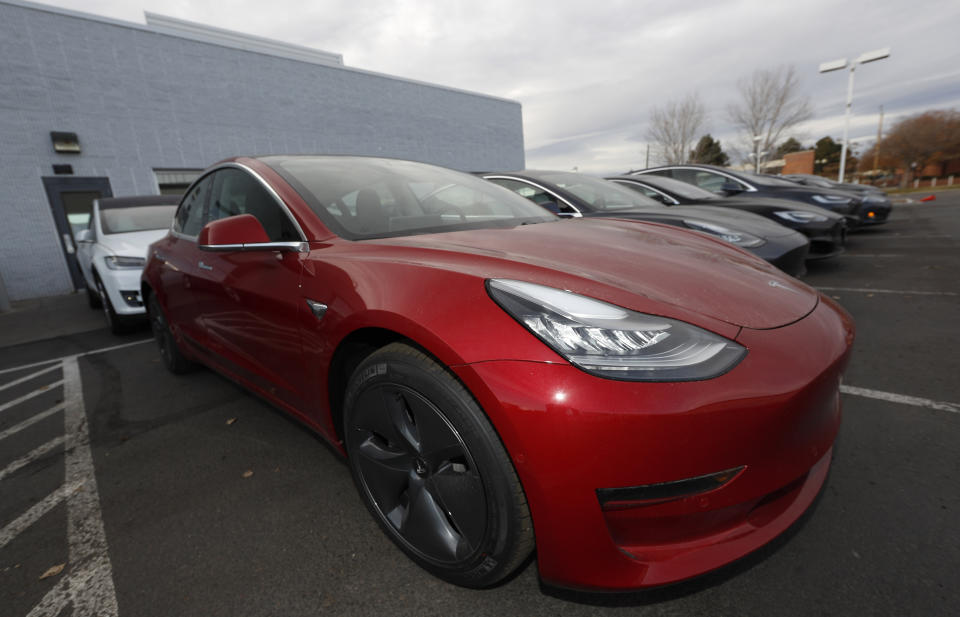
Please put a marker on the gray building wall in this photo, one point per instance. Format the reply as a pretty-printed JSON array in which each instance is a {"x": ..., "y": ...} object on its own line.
[{"x": 139, "y": 99}]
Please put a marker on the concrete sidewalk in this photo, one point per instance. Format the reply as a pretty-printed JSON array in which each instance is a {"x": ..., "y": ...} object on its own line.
[{"x": 44, "y": 318}]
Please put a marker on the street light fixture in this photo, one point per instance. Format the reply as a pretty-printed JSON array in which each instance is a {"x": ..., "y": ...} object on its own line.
[{"x": 836, "y": 65}]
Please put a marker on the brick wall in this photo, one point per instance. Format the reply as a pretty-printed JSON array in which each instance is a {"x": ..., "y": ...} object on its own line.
[{"x": 798, "y": 163}]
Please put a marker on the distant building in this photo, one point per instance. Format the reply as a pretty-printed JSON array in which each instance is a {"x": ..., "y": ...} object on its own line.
[
  {"x": 93, "y": 106},
  {"x": 798, "y": 162}
]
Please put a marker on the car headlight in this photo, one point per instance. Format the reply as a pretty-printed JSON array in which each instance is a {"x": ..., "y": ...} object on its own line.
[
  {"x": 614, "y": 342},
  {"x": 117, "y": 262},
  {"x": 799, "y": 216},
  {"x": 738, "y": 238},
  {"x": 875, "y": 199},
  {"x": 832, "y": 200}
]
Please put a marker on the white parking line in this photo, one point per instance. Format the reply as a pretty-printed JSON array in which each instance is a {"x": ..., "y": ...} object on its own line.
[
  {"x": 904, "y": 292},
  {"x": 26, "y": 378},
  {"x": 31, "y": 516},
  {"x": 26, "y": 397},
  {"x": 16, "y": 428},
  {"x": 56, "y": 599},
  {"x": 32, "y": 456},
  {"x": 901, "y": 398},
  {"x": 76, "y": 355},
  {"x": 93, "y": 595}
]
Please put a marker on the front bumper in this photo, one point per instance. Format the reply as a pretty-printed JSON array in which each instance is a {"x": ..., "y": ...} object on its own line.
[
  {"x": 788, "y": 253},
  {"x": 826, "y": 239},
  {"x": 568, "y": 433},
  {"x": 874, "y": 213},
  {"x": 123, "y": 289}
]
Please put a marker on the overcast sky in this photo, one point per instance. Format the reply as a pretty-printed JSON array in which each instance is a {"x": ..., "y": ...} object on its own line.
[{"x": 588, "y": 72}]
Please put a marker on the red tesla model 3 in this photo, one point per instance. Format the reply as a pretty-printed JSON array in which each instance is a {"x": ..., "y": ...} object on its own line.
[{"x": 640, "y": 403}]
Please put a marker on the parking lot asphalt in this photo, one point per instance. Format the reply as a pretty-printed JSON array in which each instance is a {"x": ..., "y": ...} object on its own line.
[{"x": 166, "y": 495}]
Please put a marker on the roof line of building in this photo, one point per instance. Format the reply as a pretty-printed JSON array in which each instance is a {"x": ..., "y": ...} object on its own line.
[
  {"x": 202, "y": 33},
  {"x": 247, "y": 42}
]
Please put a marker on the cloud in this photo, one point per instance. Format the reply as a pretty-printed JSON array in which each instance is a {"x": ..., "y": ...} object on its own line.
[{"x": 588, "y": 74}]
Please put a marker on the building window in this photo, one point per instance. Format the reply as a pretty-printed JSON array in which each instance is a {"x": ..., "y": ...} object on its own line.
[{"x": 175, "y": 181}]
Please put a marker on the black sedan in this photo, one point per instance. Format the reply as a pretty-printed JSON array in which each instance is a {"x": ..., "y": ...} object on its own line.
[
  {"x": 576, "y": 195},
  {"x": 876, "y": 204},
  {"x": 826, "y": 230},
  {"x": 725, "y": 182}
]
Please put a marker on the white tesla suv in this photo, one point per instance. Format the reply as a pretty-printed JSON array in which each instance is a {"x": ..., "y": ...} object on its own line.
[{"x": 113, "y": 250}]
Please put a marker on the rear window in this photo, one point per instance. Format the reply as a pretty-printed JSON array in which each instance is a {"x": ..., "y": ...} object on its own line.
[{"x": 139, "y": 218}]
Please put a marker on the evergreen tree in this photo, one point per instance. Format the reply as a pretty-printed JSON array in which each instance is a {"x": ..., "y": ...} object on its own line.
[
  {"x": 709, "y": 152},
  {"x": 790, "y": 145},
  {"x": 826, "y": 155}
]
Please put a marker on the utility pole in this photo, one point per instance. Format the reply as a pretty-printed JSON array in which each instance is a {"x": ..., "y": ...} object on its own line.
[
  {"x": 647, "y": 164},
  {"x": 876, "y": 148}
]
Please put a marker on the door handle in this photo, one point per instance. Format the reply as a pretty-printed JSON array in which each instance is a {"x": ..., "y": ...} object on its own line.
[
  {"x": 68, "y": 243},
  {"x": 204, "y": 266}
]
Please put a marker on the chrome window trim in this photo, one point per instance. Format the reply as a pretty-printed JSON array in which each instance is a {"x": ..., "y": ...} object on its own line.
[
  {"x": 263, "y": 183},
  {"x": 296, "y": 247},
  {"x": 270, "y": 191},
  {"x": 673, "y": 202},
  {"x": 750, "y": 187},
  {"x": 576, "y": 211}
]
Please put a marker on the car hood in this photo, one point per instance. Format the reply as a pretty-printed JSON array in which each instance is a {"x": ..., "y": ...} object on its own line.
[
  {"x": 133, "y": 244},
  {"x": 739, "y": 201},
  {"x": 623, "y": 262}
]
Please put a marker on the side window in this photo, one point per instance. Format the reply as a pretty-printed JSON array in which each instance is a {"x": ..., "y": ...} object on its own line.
[
  {"x": 533, "y": 193},
  {"x": 703, "y": 179},
  {"x": 237, "y": 192},
  {"x": 648, "y": 192},
  {"x": 189, "y": 217}
]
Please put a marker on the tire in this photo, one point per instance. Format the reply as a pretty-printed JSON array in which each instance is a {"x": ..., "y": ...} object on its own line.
[
  {"x": 93, "y": 298},
  {"x": 170, "y": 353},
  {"x": 432, "y": 470},
  {"x": 115, "y": 322}
]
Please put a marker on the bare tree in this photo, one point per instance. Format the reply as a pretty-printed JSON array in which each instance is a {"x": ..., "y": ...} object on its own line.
[
  {"x": 770, "y": 104},
  {"x": 674, "y": 126}
]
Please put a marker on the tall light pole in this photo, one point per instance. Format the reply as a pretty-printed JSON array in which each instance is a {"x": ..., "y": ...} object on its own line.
[
  {"x": 876, "y": 148},
  {"x": 756, "y": 153},
  {"x": 836, "y": 65}
]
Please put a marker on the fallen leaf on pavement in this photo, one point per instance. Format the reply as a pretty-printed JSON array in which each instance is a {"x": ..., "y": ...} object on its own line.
[
  {"x": 55, "y": 570},
  {"x": 248, "y": 473},
  {"x": 231, "y": 421}
]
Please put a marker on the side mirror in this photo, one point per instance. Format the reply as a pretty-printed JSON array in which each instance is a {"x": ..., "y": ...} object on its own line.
[
  {"x": 84, "y": 235},
  {"x": 242, "y": 232},
  {"x": 731, "y": 188}
]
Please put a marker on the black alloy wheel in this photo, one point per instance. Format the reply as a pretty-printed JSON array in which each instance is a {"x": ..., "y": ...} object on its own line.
[
  {"x": 170, "y": 353},
  {"x": 432, "y": 470}
]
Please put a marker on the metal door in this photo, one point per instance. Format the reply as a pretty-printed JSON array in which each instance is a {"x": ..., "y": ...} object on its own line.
[{"x": 71, "y": 201}]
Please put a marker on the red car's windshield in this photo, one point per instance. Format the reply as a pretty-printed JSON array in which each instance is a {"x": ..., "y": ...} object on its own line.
[{"x": 361, "y": 198}]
